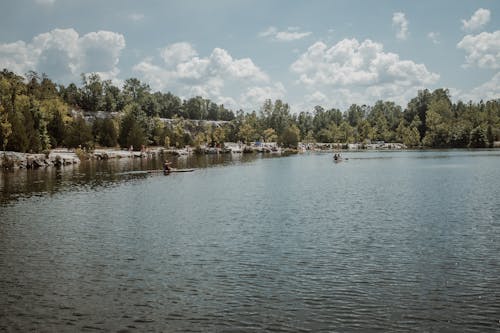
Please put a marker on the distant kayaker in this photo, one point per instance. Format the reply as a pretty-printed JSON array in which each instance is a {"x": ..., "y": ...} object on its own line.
[{"x": 166, "y": 166}]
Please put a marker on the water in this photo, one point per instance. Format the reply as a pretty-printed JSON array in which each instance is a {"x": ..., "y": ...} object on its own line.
[{"x": 385, "y": 241}]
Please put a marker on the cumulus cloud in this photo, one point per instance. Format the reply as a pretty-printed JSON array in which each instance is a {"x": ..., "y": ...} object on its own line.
[
  {"x": 16, "y": 57},
  {"x": 64, "y": 55},
  {"x": 477, "y": 20},
  {"x": 487, "y": 91},
  {"x": 400, "y": 22},
  {"x": 482, "y": 50},
  {"x": 186, "y": 73},
  {"x": 291, "y": 34},
  {"x": 350, "y": 66},
  {"x": 434, "y": 37},
  {"x": 255, "y": 96},
  {"x": 178, "y": 53}
]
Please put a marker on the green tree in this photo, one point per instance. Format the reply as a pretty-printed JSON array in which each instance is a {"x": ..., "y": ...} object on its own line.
[
  {"x": 136, "y": 137},
  {"x": 417, "y": 108},
  {"x": 5, "y": 128},
  {"x": 219, "y": 135},
  {"x": 409, "y": 135},
  {"x": 79, "y": 134},
  {"x": 247, "y": 133},
  {"x": 290, "y": 137},
  {"x": 132, "y": 116},
  {"x": 71, "y": 95},
  {"x": 305, "y": 123},
  {"x": 478, "y": 137},
  {"x": 178, "y": 137},
  {"x": 355, "y": 114},
  {"x": 55, "y": 111},
  {"x": 270, "y": 135},
  {"x": 157, "y": 131},
  {"x": 92, "y": 92},
  {"x": 105, "y": 132},
  {"x": 135, "y": 92},
  {"x": 438, "y": 129},
  {"x": 113, "y": 98}
]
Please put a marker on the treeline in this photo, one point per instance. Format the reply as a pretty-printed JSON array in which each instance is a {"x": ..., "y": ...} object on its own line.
[{"x": 35, "y": 116}]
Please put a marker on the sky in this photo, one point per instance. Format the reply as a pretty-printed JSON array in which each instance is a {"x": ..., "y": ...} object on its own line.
[{"x": 332, "y": 53}]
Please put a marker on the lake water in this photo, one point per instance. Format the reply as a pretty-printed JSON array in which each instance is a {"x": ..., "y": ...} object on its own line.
[{"x": 384, "y": 241}]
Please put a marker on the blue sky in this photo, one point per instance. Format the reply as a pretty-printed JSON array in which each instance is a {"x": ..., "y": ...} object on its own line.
[{"x": 307, "y": 53}]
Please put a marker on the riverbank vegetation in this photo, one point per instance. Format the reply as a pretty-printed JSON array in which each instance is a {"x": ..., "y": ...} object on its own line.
[{"x": 37, "y": 114}]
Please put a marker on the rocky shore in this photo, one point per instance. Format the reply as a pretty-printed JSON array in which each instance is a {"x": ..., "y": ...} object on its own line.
[
  {"x": 64, "y": 157},
  {"x": 15, "y": 160}
]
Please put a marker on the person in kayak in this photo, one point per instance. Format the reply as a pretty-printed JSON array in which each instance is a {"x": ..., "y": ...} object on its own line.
[{"x": 166, "y": 166}]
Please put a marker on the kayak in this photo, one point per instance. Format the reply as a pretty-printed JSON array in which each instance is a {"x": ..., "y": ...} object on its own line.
[
  {"x": 180, "y": 170},
  {"x": 170, "y": 171},
  {"x": 145, "y": 172}
]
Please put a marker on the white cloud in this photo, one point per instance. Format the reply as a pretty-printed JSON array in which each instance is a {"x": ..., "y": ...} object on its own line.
[
  {"x": 255, "y": 96},
  {"x": 271, "y": 31},
  {"x": 482, "y": 50},
  {"x": 187, "y": 74},
  {"x": 400, "y": 22},
  {"x": 434, "y": 37},
  {"x": 291, "y": 34},
  {"x": 100, "y": 51},
  {"x": 64, "y": 55},
  {"x": 178, "y": 53},
  {"x": 16, "y": 57},
  {"x": 359, "y": 72},
  {"x": 487, "y": 91},
  {"x": 477, "y": 20}
]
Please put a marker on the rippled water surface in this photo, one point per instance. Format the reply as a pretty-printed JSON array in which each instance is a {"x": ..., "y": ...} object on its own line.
[{"x": 385, "y": 241}]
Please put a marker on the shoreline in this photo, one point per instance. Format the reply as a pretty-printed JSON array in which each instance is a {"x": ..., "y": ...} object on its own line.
[{"x": 61, "y": 157}]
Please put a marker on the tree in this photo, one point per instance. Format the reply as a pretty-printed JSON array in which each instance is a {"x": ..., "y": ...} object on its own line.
[
  {"x": 136, "y": 137},
  {"x": 270, "y": 135},
  {"x": 305, "y": 123},
  {"x": 365, "y": 131},
  {"x": 178, "y": 137},
  {"x": 417, "y": 107},
  {"x": 196, "y": 108},
  {"x": 213, "y": 112},
  {"x": 5, "y": 128},
  {"x": 408, "y": 135},
  {"x": 79, "y": 134},
  {"x": 478, "y": 137},
  {"x": 105, "y": 132},
  {"x": 55, "y": 111},
  {"x": 355, "y": 115},
  {"x": 345, "y": 133},
  {"x": 247, "y": 133},
  {"x": 157, "y": 131},
  {"x": 92, "y": 92},
  {"x": 438, "y": 133},
  {"x": 71, "y": 95},
  {"x": 135, "y": 91},
  {"x": 219, "y": 135},
  {"x": 199, "y": 139},
  {"x": 290, "y": 137},
  {"x": 132, "y": 116},
  {"x": 459, "y": 134},
  {"x": 113, "y": 97}
]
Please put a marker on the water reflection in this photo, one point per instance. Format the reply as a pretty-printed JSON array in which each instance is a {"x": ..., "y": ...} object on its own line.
[{"x": 91, "y": 174}]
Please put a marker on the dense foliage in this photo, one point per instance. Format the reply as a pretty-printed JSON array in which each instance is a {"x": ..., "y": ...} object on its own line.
[{"x": 37, "y": 114}]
